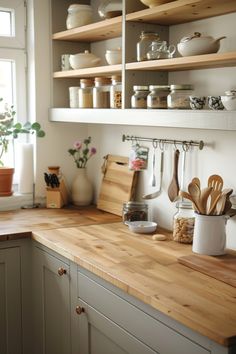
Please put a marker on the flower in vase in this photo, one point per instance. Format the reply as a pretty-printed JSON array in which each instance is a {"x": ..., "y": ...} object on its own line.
[{"x": 81, "y": 152}]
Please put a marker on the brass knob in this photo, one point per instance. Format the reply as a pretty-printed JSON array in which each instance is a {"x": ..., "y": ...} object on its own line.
[
  {"x": 61, "y": 271},
  {"x": 79, "y": 310}
]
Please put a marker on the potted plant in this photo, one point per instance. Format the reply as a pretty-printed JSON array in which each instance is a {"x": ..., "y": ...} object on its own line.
[{"x": 10, "y": 130}]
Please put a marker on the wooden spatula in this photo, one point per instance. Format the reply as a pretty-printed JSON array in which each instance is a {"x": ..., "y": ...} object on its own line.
[{"x": 173, "y": 189}]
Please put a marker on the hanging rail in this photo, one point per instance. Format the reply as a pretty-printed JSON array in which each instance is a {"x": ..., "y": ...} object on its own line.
[{"x": 184, "y": 143}]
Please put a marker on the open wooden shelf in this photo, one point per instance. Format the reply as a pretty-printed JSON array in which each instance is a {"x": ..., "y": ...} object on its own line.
[
  {"x": 203, "y": 119},
  {"x": 181, "y": 11},
  {"x": 106, "y": 70},
  {"x": 93, "y": 32},
  {"x": 204, "y": 61}
]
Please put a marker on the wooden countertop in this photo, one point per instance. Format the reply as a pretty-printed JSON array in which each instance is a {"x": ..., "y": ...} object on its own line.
[{"x": 141, "y": 267}]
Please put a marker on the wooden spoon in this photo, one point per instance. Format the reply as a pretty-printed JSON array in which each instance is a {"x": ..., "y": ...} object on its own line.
[
  {"x": 186, "y": 195},
  {"x": 196, "y": 180},
  {"x": 195, "y": 193},
  {"x": 220, "y": 205},
  {"x": 205, "y": 192},
  {"x": 173, "y": 189}
]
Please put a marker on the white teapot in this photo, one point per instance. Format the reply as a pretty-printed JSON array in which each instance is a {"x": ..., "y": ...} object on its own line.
[
  {"x": 198, "y": 44},
  {"x": 84, "y": 60}
]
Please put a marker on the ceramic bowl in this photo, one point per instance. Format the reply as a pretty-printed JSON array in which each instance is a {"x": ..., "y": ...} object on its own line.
[
  {"x": 79, "y": 15},
  {"x": 153, "y": 3},
  {"x": 214, "y": 102},
  {"x": 197, "y": 102},
  {"x": 83, "y": 60},
  {"x": 113, "y": 56},
  {"x": 142, "y": 227},
  {"x": 229, "y": 102}
]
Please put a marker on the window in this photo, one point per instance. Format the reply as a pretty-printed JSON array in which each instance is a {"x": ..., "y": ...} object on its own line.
[{"x": 13, "y": 59}]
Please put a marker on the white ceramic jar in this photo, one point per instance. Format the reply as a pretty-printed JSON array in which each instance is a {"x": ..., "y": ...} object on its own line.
[
  {"x": 229, "y": 100},
  {"x": 78, "y": 15},
  {"x": 113, "y": 56}
]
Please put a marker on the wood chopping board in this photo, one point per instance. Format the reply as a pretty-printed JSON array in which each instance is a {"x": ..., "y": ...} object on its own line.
[
  {"x": 222, "y": 268},
  {"x": 118, "y": 184}
]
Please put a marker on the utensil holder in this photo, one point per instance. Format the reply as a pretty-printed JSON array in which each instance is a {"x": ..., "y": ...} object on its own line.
[
  {"x": 54, "y": 198},
  {"x": 209, "y": 236}
]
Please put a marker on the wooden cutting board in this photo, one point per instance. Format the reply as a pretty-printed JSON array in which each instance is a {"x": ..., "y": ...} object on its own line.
[
  {"x": 222, "y": 268},
  {"x": 118, "y": 184}
]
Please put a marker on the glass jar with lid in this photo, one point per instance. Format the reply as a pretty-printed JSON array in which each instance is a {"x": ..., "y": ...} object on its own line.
[
  {"x": 179, "y": 96},
  {"x": 135, "y": 211},
  {"x": 157, "y": 97},
  {"x": 139, "y": 98},
  {"x": 101, "y": 92},
  {"x": 116, "y": 92},
  {"x": 183, "y": 224},
  {"x": 143, "y": 46},
  {"x": 86, "y": 93}
]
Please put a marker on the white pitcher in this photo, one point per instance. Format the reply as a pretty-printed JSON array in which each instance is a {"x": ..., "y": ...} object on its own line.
[{"x": 209, "y": 235}]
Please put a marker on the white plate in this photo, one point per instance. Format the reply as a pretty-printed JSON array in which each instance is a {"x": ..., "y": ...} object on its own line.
[{"x": 142, "y": 227}]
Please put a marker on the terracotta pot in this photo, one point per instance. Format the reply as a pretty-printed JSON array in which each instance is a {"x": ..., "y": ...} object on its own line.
[{"x": 6, "y": 177}]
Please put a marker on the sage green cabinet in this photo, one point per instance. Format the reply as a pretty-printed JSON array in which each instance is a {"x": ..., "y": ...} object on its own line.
[
  {"x": 51, "y": 289},
  {"x": 10, "y": 301}
]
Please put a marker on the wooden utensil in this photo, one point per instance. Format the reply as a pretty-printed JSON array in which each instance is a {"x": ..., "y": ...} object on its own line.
[
  {"x": 216, "y": 182},
  {"x": 173, "y": 189},
  {"x": 196, "y": 180},
  {"x": 186, "y": 195},
  {"x": 195, "y": 193},
  {"x": 205, "y": 192},
  {"x": 220, "y": 205}
]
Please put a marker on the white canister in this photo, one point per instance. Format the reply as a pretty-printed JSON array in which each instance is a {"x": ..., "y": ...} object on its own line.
[
  {"x": 74, "y": 96},
  {"x": 65, "y": 62},
  {"x": 209, "y": 236},
  {"x": 78, "y": 15}
]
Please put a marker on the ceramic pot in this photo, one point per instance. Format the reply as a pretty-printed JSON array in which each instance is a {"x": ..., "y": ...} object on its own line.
[
  {"x": 209, "y": 235},
  {"x": 82, "y": 189},
  {"x": 78, "y": 15},
  {"x": 229, "y": 100},
  {"x": 83, "y": 60},
  {"x": 6, "y": 177},
  {"x": 198, "y": 44},
  {"x": 113, "y": 56}
]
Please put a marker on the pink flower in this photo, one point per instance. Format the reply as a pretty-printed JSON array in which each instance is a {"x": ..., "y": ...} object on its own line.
[
  {"x": 93, "y": 151},
  {"x": 77, "y": 145}
]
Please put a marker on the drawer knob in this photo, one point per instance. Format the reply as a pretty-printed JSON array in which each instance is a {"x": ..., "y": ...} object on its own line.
[
  {"x": 61, "y": 271},
  {"x": 79, "y": 310}
]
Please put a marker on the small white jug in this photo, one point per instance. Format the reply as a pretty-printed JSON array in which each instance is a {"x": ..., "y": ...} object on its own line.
[{"x": 209, "y": 235}]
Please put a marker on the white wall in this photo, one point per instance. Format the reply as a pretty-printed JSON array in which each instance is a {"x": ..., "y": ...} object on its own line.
[{"x": 218, "y": 156}]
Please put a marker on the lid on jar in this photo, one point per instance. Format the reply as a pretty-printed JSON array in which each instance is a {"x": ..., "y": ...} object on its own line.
[
  {"x": 116, "y": 78},
  {"x": 102, "y": 80},
  {"x": 140, "y": 88},
  {"x": 86, "y": 82},
  {"x": 184, "y": 205},
  {"x": 150, "y": 33},
  {"x": 181, "y": 87},
  {"x": 135, "y": 204},
  {"x": 159, "y": 87},
  {"x": 77, "y": 7}
]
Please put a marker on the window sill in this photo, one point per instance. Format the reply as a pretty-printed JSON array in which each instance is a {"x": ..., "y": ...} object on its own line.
[{"x": 17, "y": 201}]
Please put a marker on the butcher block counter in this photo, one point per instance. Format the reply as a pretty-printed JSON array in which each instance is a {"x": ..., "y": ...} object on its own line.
[{"x": 141, "y": 267}]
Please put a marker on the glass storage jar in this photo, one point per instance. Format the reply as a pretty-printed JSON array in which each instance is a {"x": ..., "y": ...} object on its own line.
[
  {"x": 116, "y": 92},
  {"x": 86, "y": 93},
  {"x": 179, "y": 96},
  {"x": 157, "y": 97},
  {"x": 101, "y": 92},
  {"x": 143, "y": 46},
  {"x": 135, "y": 211},
  {"x": 139, "y": 98},
  {"x": 183, "y": 224}
]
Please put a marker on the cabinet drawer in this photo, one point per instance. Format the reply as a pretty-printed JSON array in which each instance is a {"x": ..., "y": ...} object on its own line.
[{"x": 147, "y": 329}]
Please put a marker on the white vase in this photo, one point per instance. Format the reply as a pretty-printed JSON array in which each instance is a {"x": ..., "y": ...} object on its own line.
[{"x": 82, "y": 189}]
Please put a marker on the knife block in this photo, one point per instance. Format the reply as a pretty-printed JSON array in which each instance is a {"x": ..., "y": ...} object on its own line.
[{"x": 54, "y": 198}]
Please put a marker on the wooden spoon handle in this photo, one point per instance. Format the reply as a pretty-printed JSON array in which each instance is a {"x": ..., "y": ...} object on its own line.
[{"x": 176, "y": 164}]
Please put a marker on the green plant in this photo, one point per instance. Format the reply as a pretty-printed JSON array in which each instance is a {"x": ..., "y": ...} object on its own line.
[{"x": 11, "y": 130}]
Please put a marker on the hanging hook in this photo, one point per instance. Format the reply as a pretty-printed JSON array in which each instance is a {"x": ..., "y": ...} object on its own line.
[
  {"x": 162, "y": 144},
  {"x": 155, "y": 143},
  {"x": 185, "y": 146}
]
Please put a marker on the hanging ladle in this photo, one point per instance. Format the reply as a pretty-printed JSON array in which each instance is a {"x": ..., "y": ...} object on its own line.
[
  {"x": 157, "y": 193},
  {"x": 153, "y": 177}
]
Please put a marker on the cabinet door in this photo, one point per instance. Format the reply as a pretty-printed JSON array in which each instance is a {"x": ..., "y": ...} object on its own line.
[
  {"x": 10, "y": 301},
  {"x": 99, "y": 335},
  {"x": 51, "y": 304}
]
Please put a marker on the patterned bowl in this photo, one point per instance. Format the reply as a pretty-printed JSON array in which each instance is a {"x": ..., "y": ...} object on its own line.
[
  {"x": 214, "y": 102},
  {"x": 197, "y": 102}
]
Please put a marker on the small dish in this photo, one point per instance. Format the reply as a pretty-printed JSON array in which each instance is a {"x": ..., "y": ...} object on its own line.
[
  {"x": 142, "y": 227},
  {"x": 214, "y": 102},
  {"x": 197, "y": 102}
]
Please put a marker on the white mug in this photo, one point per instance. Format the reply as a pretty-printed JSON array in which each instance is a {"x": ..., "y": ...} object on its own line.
[
  {"x": 209, "y": 235},
  {"x": 74, "y": 96}
]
